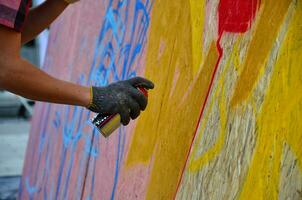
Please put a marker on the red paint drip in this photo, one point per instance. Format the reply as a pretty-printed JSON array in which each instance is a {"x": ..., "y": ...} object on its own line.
[{"x": 234, "y": 16}]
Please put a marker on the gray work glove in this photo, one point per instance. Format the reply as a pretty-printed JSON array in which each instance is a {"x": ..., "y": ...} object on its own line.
[{"x": 121, "y": 97}]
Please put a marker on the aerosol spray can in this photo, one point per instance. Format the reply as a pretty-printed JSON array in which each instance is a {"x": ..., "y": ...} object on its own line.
[{"x": 107, "y": 124}]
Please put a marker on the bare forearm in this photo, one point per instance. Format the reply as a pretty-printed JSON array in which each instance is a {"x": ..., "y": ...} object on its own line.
[
  {"x": 41, "y": 17},
  {"x": 23, "y": 78}
]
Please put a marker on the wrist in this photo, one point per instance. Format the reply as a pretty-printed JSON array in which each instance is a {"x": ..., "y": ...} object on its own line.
[{"x": 86, "y": 97}]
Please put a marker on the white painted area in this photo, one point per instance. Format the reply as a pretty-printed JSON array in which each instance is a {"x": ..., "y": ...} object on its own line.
[{"x": 42, "y": 39}]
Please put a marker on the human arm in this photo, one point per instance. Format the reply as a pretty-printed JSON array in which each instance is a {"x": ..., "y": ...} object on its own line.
[
  {"x": 40, "y": 17},
  {"x": 21, "y": 77}
]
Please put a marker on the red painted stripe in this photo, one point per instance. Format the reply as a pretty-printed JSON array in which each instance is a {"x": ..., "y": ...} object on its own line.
[
  {"x": 220, "y": 51},
  {"x": 233, "y": 16}
]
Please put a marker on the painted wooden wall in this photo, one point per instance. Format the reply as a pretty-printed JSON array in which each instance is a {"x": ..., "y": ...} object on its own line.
[{"x": 224, "y": 121}]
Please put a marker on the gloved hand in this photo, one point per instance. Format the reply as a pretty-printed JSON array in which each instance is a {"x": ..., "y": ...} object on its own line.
[
  {"x": 71, "y": 1},
  {"x": 121, "y": 97}
]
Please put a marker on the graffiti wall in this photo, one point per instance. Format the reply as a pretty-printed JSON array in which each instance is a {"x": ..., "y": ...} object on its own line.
[{"x": 223, "y": 122}]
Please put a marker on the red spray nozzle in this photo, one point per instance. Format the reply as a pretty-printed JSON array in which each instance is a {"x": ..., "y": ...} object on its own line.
[{"x": 143, "y": 90}]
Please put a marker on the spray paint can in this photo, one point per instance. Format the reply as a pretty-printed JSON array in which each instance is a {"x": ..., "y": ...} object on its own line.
[{"x": 107, "y": 124}]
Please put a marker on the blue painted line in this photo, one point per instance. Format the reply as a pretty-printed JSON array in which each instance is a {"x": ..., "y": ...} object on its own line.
[{"x": 116, "y": 166}]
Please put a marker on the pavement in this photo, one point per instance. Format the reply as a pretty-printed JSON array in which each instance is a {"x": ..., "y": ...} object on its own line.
[
  {"x": 14, "y": 133},
  {"x": 13, "y": 140},
  {"x": 9, "y": 187}
]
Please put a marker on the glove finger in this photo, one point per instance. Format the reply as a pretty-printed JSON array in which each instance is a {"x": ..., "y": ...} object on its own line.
[
  {"x": 141, "y": 82},
  {"x": 139, "y": 97},
  {"x": 125, "y": 115},
  {"x": 134, "y": 108}
]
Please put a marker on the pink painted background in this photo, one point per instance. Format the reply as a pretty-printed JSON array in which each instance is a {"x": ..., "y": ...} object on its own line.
[{"x": 94, "y": 42}]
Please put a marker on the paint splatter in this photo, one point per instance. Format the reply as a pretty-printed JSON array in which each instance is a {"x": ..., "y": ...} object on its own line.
[{"x": 236, "y": 16}]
